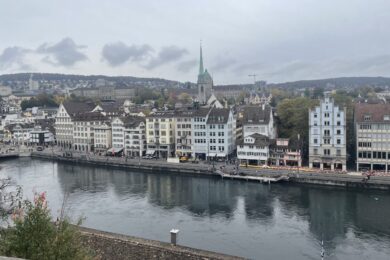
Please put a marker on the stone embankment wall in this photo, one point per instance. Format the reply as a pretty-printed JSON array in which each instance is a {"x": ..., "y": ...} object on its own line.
[{"x": 114, "y": 246}]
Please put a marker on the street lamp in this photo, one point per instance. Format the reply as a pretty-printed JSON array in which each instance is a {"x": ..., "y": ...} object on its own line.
[{"x": 299, "y": 150}]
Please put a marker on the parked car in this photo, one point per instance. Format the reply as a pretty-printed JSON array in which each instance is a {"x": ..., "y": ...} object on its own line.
[{"x": 183, "y": 159}]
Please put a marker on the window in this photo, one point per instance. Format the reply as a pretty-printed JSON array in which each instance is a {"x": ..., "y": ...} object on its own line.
[
  {"x": 338, "y": 123},
  {"x": 338, "y": 141},
  {"x": 326, "y": 114},
  {"x": 315, "y": 140},
  {"x": 326, "y": 151},
  {"x": 326, "y": 122},
  {"x": 327, "y": 141},
  {"x": 386, "y": 117},
  {"x": 315, "y": 151},
  {"x": 338, "y": 152},
  {"x": 327, "y": 132},
  {"x": 315, "y": 115},
  {"x": 339, "y": 132},
  {"x": 367, "y": 117}
]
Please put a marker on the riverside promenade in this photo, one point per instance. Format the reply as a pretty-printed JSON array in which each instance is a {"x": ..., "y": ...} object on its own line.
[{"x": 221, "y": 170}]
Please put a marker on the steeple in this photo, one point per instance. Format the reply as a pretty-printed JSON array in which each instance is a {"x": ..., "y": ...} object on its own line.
[{"x": 201, "y": 69}]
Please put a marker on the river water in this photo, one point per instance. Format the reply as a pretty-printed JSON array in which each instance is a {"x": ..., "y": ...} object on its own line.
[{"x": 277, "y": 221}]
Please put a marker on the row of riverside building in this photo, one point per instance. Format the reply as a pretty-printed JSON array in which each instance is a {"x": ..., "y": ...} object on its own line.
[
  {"x": 247, "y": 133},
  {"x": 209, "y": 131},
  {"x": 205, "y": 133}
]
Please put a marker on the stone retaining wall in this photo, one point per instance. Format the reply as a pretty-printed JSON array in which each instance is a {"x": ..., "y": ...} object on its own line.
[{"x": 115, "y": 246}]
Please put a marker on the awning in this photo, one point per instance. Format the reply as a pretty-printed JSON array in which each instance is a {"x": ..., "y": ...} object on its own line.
[
  {"x": 217, "y": 155},
  {"x": 150, "y": 152},
  {"x": 114, "y": 150}
]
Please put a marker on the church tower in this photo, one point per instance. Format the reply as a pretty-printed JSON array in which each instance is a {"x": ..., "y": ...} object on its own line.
[{"x": 205, "y": 82}]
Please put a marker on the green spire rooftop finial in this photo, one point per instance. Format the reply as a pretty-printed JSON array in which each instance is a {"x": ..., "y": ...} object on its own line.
[{"x": 201, "y": 69}]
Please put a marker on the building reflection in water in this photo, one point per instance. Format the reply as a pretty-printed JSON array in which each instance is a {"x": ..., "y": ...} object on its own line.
[{"x": 329, "y": 212}]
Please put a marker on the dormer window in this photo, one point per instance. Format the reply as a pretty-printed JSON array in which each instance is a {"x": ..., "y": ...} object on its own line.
[{"x": 367, "y": 117}]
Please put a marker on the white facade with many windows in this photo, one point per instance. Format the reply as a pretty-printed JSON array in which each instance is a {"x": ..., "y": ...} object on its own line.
[
  {"x": 213, "y": 133},
  {"x": 253, "y": 150},
  {"x": 129, "y": 134},
  {"x": 102, "y": 137},
  {"x": 160, "y": 133},
  {"x": 372, "y": 136},
  {"x": 327, "y": 136}
]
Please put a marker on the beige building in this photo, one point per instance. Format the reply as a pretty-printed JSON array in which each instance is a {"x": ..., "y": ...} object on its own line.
[
  {"x": 102, "y": 137},
  {"x": 184, "y": 133},
  {"x": 372, "y": 125},
  {"x": 160, "y": 133},
  {"x": 84, "y": 130}
]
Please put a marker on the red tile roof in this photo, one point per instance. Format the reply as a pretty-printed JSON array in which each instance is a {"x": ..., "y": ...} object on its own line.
[{"x": 375, "y": 111}]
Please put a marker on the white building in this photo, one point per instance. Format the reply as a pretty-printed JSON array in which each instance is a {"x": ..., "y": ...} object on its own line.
[
  {"x": 327, "y": 136},
  {"x": 64, "y": 121},
  {"x": 41, "y": 137},
  {"x": 372, "y": 136},
  {"x": 18, "y": 133},
  {"x": 257, "y": 120},
  {"x": 253, "y": 150},
  {"x": 129, "y": 134},
  {"x": 213, "y": 133}
]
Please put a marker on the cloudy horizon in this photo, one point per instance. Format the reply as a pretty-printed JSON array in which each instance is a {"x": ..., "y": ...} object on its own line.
[{"x": 275, "y": 39}]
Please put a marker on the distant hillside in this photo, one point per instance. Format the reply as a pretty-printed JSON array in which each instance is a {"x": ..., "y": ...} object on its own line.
[
  {"x": 347, "y": 82},
  {"x": 70, "y": 77}
]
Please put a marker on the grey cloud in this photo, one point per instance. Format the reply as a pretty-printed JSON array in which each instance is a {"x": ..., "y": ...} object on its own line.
[
  {"x": 186, "y": 66},
  {"x": 14, "y": 56},
  {"x": 166, "y": 55},
  {"x": 118, "y": 53},
  {"x": 64, "y": 53},
  {"x": 222, "y": 64}
]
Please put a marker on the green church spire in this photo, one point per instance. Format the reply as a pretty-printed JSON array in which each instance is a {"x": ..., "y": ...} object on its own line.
[{"x": 201, "y": 69}]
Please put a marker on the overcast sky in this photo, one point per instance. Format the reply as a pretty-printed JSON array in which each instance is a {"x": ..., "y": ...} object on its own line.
[{"x": 279, "y": 40}]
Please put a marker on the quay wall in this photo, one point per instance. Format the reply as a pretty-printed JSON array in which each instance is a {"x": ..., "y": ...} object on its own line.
[
  {"x": 108, "y": 245},
  {"x": 315, "y": 178}
]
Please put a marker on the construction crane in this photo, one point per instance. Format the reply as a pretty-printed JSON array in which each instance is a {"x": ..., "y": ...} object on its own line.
[{"x": 254, "y": 77}]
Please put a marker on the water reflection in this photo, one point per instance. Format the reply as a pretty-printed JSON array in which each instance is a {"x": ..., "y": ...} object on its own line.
[{"x": 329, "y": 214}]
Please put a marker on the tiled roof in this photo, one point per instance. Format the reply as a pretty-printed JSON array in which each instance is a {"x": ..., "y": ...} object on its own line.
[
  {"x": 90, "y": 116},
  {"x": 260, "y": 140},
  {"x": 110, "y": 107},
  {"x": 365, "y": 113},
  {"x": 75, "y": 107},
  {"x": 162, "y": 114},
  {"x": 202, "y": 112},
  {"x": 256, "y": 115},
  {"x": 218, "y": 116},
  {"x": 132, "y": 121}
]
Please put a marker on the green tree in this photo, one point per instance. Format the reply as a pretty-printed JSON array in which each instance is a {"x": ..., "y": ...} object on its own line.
[
  {"x": 34, "y": 236},
  {"x": 318, "y": 92},
  {"x": 293, "y": 119},
  {"x": 185, "y": 98}
]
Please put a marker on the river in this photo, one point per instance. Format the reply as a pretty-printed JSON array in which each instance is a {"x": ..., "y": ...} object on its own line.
[{"x": 257, "y": 221}]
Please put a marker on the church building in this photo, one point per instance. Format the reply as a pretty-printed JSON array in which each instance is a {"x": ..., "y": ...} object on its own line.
[{"x": 205, "y": 83}]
